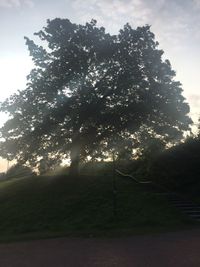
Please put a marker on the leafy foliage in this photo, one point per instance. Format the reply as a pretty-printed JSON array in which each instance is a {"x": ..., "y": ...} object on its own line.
[{"x": 90, "y": 93}]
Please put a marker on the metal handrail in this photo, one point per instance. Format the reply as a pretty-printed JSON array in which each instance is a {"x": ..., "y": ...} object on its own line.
[{"x": 132, "y": 177}]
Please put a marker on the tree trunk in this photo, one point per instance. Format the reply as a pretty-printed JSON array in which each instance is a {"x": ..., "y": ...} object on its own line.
[{"x": 75, "y": 158}]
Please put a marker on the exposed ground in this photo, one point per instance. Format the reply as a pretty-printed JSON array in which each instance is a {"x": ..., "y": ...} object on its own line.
[{"x": 160, "y": 250}]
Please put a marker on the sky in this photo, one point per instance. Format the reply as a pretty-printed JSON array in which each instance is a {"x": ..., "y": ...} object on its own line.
[{"x": 175, "y": 23}]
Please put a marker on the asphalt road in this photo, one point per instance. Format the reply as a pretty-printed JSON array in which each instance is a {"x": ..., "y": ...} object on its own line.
[{"x": 180, "y": 249}]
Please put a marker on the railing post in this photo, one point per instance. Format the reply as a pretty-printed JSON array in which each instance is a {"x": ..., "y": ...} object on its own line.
[{"x": 114, "y": 188}]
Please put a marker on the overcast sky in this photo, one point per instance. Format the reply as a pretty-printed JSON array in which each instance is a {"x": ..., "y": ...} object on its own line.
[{"x": 176, "y": 24}]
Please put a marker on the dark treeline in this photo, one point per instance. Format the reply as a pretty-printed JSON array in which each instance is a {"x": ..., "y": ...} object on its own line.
[{"x": 178, "y": 168}]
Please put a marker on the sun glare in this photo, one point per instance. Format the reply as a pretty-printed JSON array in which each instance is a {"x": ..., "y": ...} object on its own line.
[{"x": 13, "y": 77}]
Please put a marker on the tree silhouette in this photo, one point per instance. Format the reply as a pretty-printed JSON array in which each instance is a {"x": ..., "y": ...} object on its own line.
[{"x": 89, "y": 92}]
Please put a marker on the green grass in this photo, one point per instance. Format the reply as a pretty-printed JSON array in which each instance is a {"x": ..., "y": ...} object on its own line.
[{"x": 60, "y": 205}]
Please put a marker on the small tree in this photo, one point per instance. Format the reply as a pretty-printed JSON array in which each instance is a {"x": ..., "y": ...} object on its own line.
[{"x": 89, "y": 91}]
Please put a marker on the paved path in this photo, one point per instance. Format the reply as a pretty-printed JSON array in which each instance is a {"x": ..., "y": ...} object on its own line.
[{"x": 180, "y": 249}]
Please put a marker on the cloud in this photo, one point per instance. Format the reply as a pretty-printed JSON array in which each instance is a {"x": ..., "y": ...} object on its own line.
[
  {"x": 29, "y": 3},
  {"x": 16, "y": 3},
  {"x": 137, "y": 12},
  {"x": 113, "y": 13},
  {"x": 197, "y": 3},
  {"x": 195, "y": 100},
  {"x": 9, "y": 3},
  {"x": 173, "y": 20}
]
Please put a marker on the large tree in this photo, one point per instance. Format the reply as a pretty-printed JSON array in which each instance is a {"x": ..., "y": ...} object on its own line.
[{"x": 91, "y": 92}]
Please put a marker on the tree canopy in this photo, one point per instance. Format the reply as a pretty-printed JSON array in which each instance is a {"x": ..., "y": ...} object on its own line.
[{"x": 91, "y": 92}]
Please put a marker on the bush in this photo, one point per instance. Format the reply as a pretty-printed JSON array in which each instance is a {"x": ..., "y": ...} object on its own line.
[
  {"x": 19, "y": 171},
  {"x": 178, "y": 167}
]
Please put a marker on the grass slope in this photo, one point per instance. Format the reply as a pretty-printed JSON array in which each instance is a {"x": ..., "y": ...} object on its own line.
[{"x": 63, "y": 205}]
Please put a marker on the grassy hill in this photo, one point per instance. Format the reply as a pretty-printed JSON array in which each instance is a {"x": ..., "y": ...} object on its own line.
[{"x": 64, "y": 205}]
